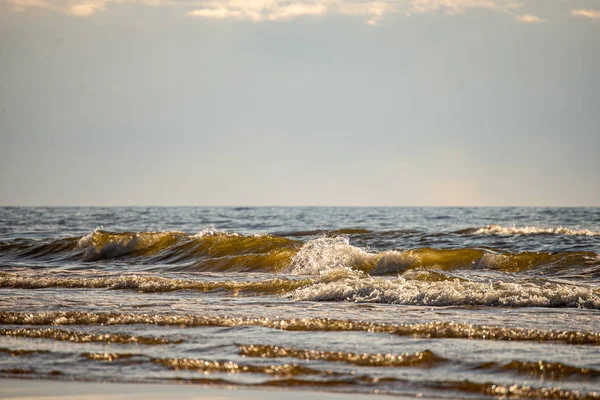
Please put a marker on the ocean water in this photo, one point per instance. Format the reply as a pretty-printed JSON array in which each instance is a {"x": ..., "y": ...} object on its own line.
[{"x": 416, "y": 302}]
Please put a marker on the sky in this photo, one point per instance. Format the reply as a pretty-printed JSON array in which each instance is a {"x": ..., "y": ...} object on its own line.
[{"x": 302, "y": 102}]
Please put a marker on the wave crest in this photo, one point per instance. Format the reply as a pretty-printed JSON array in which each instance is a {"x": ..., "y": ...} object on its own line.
[
  {"x": 209, "y": 250},
  {"x": 450, "y": 293},
  {"x": 216, "y": 251},
  {"x": 102, "y": 245},
  {"x": 494, "y": 229},
  {"x": 325, "y": 254}
]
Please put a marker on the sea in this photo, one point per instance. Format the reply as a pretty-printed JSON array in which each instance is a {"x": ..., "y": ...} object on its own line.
[{"x": 441, "y": 303}]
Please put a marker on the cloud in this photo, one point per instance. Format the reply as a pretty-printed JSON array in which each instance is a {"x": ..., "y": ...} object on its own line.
[
  {"x": 70, "y": 7},
  {"x": 275, "y": 10},
  {"x": 529, "y": 19},
  {"x": 460, "y": 6},
  {"x": 84, "y": 9},
  {"x": 373, "y": 12},
  {"x": 592, "y": 14},
  {"x": 215, "y": 13},
  {"x": 297, "y": 10}
]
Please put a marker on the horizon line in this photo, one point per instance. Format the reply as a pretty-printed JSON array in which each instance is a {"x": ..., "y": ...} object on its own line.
[{"x": 293, "y": 206}]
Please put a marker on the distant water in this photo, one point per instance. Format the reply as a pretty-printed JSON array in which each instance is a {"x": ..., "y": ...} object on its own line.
[{"x": 427, "y": 302}]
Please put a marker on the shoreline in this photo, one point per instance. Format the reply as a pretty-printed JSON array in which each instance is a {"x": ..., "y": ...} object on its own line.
[{"x": 48, "y": 389}]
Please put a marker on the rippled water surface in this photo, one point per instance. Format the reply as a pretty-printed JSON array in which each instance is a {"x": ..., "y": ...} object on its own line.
[{"x": 428, "y": 302}]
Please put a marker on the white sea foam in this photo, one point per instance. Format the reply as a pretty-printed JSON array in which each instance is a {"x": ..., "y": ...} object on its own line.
[
  {"x": 319, "y": 256},
  {"x": 322, "y": 255},
  {"x": 450, "y": 293},
  {"x": 532, "y": 230},
  {"x": 86, "y": 240},
  {"x": 212, "y": 231}
]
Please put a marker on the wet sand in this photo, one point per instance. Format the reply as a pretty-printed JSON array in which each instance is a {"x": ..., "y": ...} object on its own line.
[{"x": 24, "y": 389}]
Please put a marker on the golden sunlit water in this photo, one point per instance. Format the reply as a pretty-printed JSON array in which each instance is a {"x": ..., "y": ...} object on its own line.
[{"x": 427, "y": 302}]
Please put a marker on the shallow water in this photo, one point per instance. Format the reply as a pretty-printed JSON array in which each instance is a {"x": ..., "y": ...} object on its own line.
[{"x": 432, "y": 302}]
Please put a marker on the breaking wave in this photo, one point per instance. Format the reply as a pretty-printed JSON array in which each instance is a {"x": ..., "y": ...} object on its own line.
[
  {"x": 215, "y": 251},
  {"x": 414, "y": 287},
  {"x": 450, "y": 293},
  {"x": 325, "y": 254},
  {"x": 494, "y": 229},
  {"x": 206, "y": 251}
]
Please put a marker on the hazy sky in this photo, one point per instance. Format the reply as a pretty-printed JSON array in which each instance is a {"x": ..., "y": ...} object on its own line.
[{"x": 324, "y": 102}]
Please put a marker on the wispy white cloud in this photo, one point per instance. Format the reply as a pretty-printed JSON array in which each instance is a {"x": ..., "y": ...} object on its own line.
[
  {"x": 460, "y": 6},
  {"x": 529, "y": 19},
  {"x": 297, "y": 10},
  {"x": 275, "y": 10},
  {"x": 220, "y": 13},
  {"x": 253, "y": 10},
  {"x": 373, "y": 12},
  {"x": 85, "y": 9},
  {"x": 587, "y": 13},
  {"x": 74, "y": 8},
  {"x": 258, "y": 10}
]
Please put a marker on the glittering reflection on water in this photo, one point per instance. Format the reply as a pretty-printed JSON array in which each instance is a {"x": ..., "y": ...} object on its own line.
[{"x": 443, "y": 303}]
